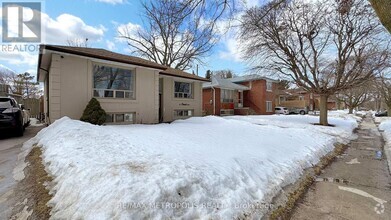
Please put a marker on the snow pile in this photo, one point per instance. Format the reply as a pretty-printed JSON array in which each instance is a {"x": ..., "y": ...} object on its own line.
[
  {"x": 199, "y": 168},
  {"x": 381, "y": 119},
  {"x": 343, "y": 130},
  {"x": 35, "y": 122},
  {"x": 385, "y": 126},
  {"x": 345, "y": 114}
]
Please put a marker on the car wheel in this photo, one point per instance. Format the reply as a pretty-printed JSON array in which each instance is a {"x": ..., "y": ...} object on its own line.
[
  {"x": 302, "y": 112},
  {"x": 20, "y": 131}
]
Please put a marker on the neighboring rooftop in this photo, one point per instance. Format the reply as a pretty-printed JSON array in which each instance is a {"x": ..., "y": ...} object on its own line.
[
  {"x": 116, "y": 57},
  {"x": 223, "y": 84},
  {"x": 251, "y": 77}
]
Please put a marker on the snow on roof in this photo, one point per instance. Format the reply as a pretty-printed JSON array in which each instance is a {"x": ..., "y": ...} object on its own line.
[
  {"x": 223, "y": 84},
  {"x": 250, "y": 77}
]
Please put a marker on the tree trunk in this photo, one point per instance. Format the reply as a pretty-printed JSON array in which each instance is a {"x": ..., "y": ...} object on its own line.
[
  {"x": 323, "y": 110},
  {"x": 350, "y": 110}
]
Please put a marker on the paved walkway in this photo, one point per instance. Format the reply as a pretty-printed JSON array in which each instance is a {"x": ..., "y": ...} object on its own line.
[
  {"x": 9, "y": 150},
  {"x": 355, "y": 186}
]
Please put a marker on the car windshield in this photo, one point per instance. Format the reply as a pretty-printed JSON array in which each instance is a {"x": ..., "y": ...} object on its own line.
[{"x": 5, "y": 103}]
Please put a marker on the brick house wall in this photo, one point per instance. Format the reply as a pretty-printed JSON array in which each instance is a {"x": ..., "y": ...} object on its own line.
[{"x": 256, "y": 97}]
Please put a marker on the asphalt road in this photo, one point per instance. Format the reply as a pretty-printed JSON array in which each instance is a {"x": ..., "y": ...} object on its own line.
[{"x": 10, "y": 147}]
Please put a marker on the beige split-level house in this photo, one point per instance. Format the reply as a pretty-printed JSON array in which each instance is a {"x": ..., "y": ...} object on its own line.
[{"x": 129, "y": 89}]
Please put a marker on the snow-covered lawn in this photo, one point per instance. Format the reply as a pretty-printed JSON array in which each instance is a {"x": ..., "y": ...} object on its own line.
[
  {"x": 343, "y": 122},
  {"x": 198, "y": 168}
]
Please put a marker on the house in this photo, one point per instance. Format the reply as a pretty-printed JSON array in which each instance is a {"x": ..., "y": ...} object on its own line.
[
  {"x": 299, "y": 98},
  {"x": 5, "y": 90},
  {"x": 260, "y": 97},
  {"x": 249, "y": 94},
  {"x": 223, "y": 97},
  {"x": 129, "y": 89}
]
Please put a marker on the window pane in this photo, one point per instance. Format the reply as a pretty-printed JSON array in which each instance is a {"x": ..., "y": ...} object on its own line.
[
  {"x": 119, "y": 94},
  {"x": 109, "y": 118},
  {"x": 109, "y": 94},
  {"x": 129, "y": 117},
  {"x": 119, "y": 118}
]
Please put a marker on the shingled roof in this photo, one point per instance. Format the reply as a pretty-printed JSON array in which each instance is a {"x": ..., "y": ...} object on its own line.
[{"x": 117, "y": 57}]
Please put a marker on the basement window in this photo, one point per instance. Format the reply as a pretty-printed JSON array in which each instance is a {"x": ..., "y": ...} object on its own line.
[{"x": 125, "y": 118}]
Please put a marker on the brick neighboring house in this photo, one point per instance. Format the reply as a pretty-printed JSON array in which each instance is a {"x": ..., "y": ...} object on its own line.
[
  {"x": 222, "y": 97},
  {"x": 250, "y": 94},
  {"x": 299, "y": 98}
]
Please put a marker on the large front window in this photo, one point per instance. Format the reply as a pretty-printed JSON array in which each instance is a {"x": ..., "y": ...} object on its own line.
[
  {"x": 113, "y": 82},
  {"x": 183, "y": 90},
  {"x": 227, "y": 96}
]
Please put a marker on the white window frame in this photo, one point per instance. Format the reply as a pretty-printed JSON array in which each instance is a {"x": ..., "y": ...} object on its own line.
[
  {"x": 301, "y": 98},
  {"x": 127, "y": 94},
  {"x": 186, "y": 113},
  {"x": 269, "y": 86},
  {"x": 269, "y": 106},
  {"x": 181, "y": 95}
]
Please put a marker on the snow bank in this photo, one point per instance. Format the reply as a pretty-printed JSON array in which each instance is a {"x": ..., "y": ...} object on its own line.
[
  {"x": 381, "y": 119},
  {"x": 386, "y": 127},
  {"x": 198, "y": 168}
]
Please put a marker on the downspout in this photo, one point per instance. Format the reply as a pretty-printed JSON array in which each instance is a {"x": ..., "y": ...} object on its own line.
[{"x": 214, "y": 99}]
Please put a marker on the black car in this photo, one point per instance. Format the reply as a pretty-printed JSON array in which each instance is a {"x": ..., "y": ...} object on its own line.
[
  {"x": 381, "y": 114},
  {"x": 11, "y": 116}
]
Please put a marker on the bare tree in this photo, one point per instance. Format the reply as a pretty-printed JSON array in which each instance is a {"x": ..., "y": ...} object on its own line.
[
  {"x": 178, "y": 33},
  {"x": 224, "y": 74},
  {"x": 384, "y": 87},
  {"x": 78, "y": 42},
  {"x": 25, "y": 85},
  {"x": 354, "y": 97},
  {"x": 322, "y": 46}
]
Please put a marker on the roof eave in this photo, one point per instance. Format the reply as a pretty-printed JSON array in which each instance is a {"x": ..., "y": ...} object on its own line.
[
  {"x": 186, "y": 77},
  {"x": 53, "y": 48}
]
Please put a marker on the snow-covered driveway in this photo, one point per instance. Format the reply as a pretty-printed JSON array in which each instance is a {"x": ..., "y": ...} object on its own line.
[{"x": 208, "y": 167}]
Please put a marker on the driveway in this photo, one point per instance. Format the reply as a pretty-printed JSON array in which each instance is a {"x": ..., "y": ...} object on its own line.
[{"x": 9, "y": 149}]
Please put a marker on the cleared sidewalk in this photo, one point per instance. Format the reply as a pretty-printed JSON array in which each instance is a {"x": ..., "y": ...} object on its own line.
[{"x": 356, "y": 186}]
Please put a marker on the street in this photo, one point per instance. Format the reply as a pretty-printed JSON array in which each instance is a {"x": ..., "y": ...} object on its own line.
[{"x": 9, "y": 149}]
